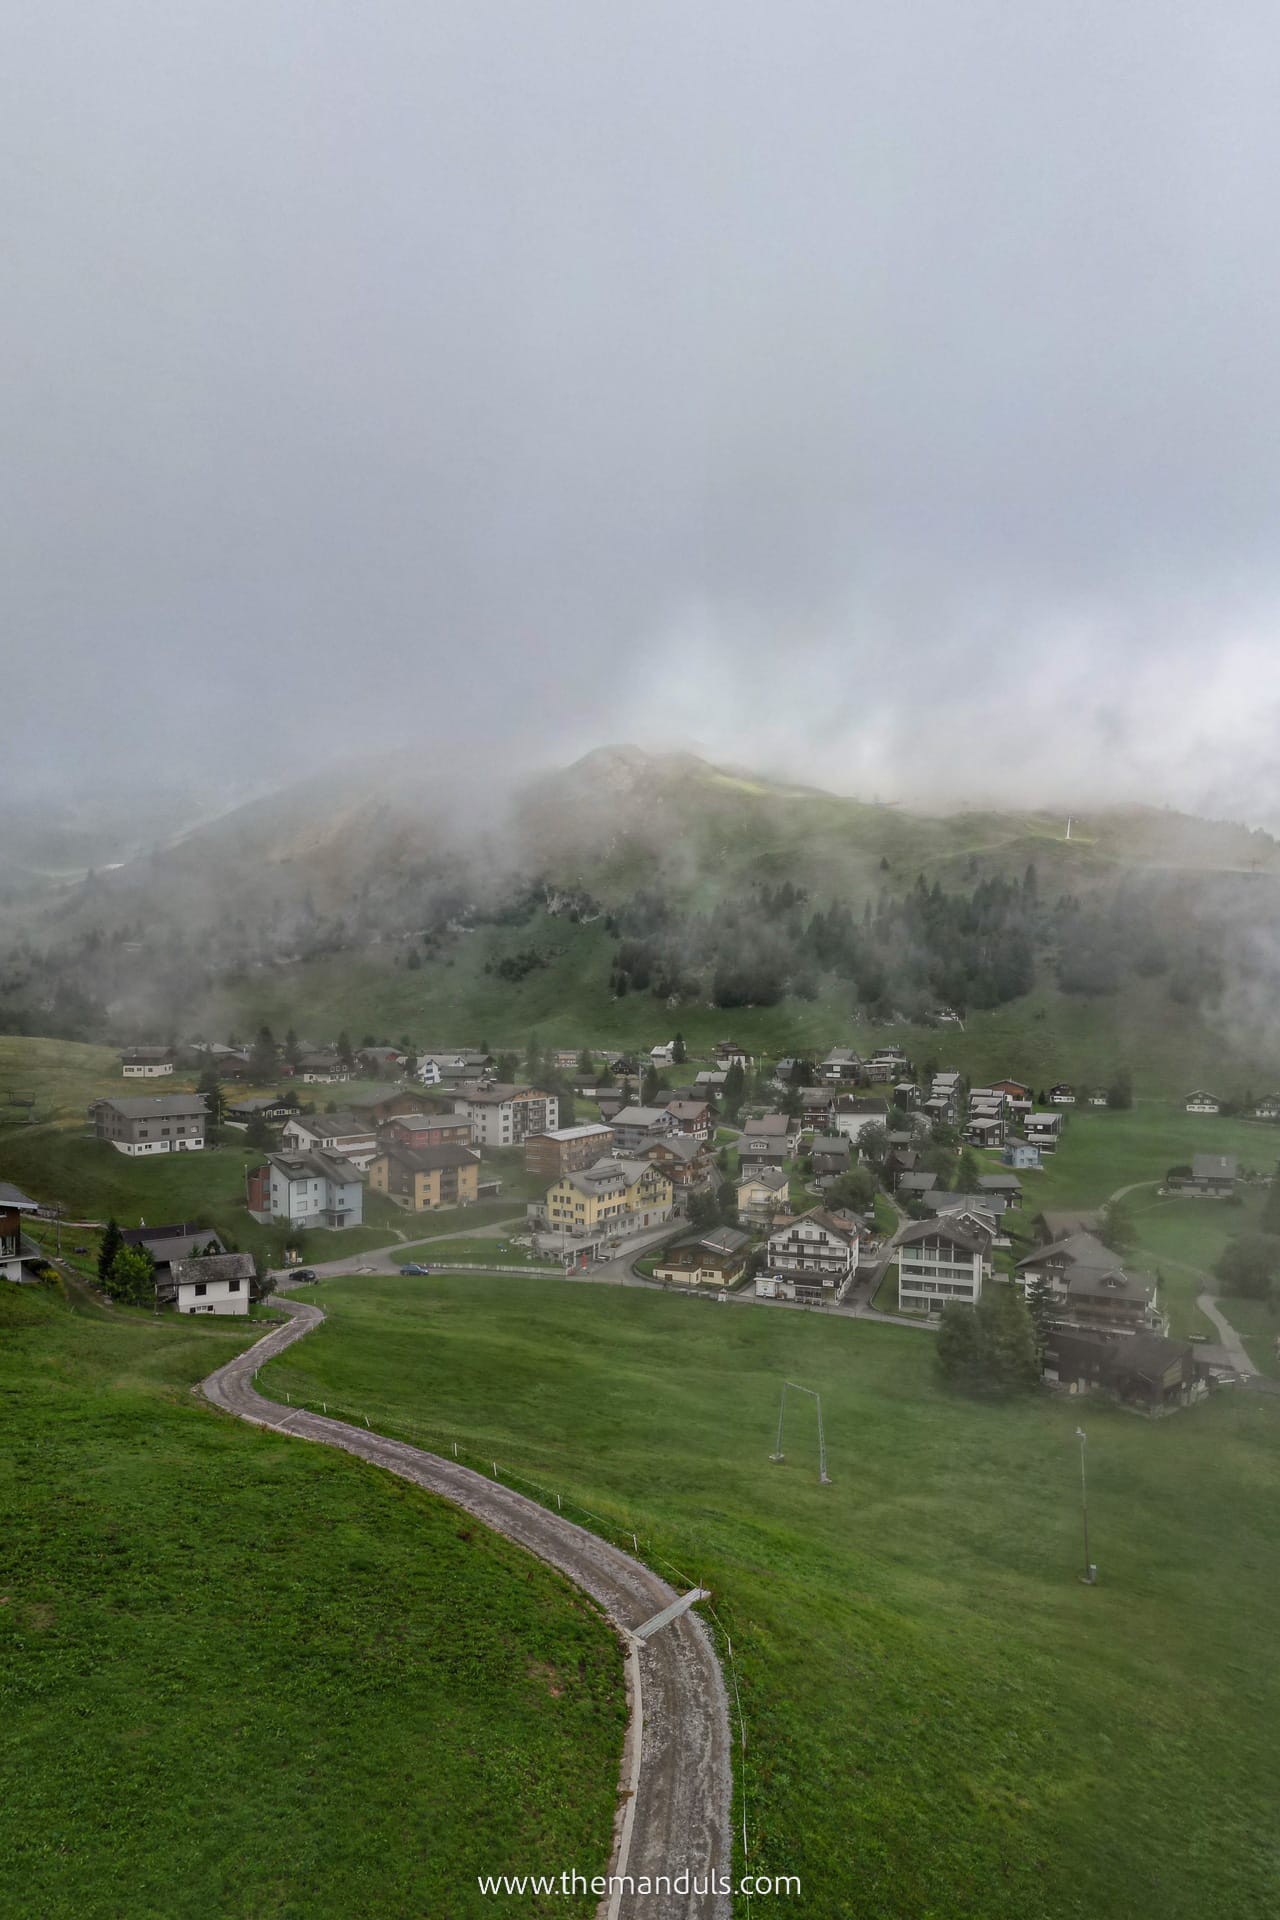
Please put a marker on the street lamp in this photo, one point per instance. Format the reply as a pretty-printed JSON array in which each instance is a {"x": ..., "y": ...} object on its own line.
[{"x": 1090, "y": 1575}]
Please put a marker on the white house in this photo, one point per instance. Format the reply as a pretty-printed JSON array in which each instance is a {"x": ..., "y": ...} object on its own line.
[
  {"x": 505, "y": 1116},
  {"x": 146, "y": 1063},
  {"x": 215, "y": 1283},
  {"x": 428, "y": 1071},
  {"x": 943, "y": 1260},
  {"x": 663, "y": 1055},
  {"x": 316, "y": 1189},
  {"x": 819, "y": 1249},
  {"x": 854, "y": 1113},
  {"x": 346, "y": 1134},
  {"x": 1201, "y": 1102}
]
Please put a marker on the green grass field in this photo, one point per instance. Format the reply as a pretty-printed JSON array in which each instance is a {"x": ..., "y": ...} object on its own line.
[
  {"x": 476, "y": 1252},
  {"x": 941, "y": 1719},
  {"x": 253, "y": 1679}
]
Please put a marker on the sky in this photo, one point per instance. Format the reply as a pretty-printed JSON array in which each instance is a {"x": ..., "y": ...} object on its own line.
[{"x": 883, "y": 392}]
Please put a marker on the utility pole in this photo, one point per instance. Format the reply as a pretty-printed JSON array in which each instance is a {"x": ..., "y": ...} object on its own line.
[{"x": 1090, "y": 1575}]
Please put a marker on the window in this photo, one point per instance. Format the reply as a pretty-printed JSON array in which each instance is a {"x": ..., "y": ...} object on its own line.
[
  {"x": 201, "y": 1287},
  {"x": 233, "y": 1286}
]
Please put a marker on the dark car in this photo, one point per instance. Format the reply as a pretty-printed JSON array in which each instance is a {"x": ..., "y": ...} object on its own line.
[
  {"x": 414, "y": 1268},
  {"x": 306, "y": 1273}
]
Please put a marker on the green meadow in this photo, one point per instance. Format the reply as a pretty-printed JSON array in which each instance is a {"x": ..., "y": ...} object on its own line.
[
  {"x": 244, "y": 1678},
  {"x": 941, "y": 1720}
]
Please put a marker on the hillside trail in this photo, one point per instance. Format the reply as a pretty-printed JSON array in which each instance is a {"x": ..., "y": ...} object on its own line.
[{"x": 674, "y": 1802}]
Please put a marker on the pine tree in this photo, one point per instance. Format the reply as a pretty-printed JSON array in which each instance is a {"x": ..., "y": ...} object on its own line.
[
  {"x": 345, "y": 1054},
  {"x": 679, "y": 1053},
  {"x": 1040, "y": 1307},
  {"x": 215, "y": 1104},
  {"x": 131, "y": 1277},
  {"x": 258, "y": 1133},
  {"x": 649, "y": 1087},
  {"x": 734, "y": 1090},
  {"x": 586, "y": 1065},
  {"x": 533, "y": 1061},
  {"x": 108, "y": 1247},
  {"x": 292, "y": 1048}
]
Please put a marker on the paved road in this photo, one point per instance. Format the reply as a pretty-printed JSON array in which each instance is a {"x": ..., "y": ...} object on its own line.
[
  {"x": 1230, "y": 1338},
  {"x": 678, "y": 1814}
]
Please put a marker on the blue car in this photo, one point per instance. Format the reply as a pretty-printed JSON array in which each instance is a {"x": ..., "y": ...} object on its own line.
[{"x": 415, "y": 1269}]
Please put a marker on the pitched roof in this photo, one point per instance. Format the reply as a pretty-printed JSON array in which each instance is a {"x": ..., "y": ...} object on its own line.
[
  {"x": 167, "y": 1244},
  {"x": 428, "y": 1159},
  {"x": 917, "y": 1182},
  {"x": 332, "y": 1126},
  {"x": 861, "y": 1103},
  {"x": 639, "y": 1116},
  {"x": 1075, "y": 1250},
  {"x": 948, "y": 1227},
  {"x": 773, "y": 1178},
  {"x": 686, "y": 1109},
  {"x": 317, "y": 1164},
  {"x": 1136, "y": 1288},
  {"x": 156, "y": 1106},
  {"x": 1214, "y": 1166},
  {"x": 213, "y": 1266},
  {"x": 14, "y": 1198},
  {"x": 770, "y": 1125},
  {"x": 563, "y": 1134}
]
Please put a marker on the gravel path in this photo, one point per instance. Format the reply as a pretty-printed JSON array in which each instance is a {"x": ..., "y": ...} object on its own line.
[
  {"x": 1230, "y": 1338},
  {"x": 676, "y": 1815}
]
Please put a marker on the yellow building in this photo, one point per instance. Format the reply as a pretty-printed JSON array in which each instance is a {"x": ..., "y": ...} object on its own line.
[
  {"x": 423, "y": 1178},
  {"x": 621, "y": 1196}
]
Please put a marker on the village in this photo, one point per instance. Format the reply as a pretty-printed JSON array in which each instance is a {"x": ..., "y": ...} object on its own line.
[{"x": 836, "y": 1182}]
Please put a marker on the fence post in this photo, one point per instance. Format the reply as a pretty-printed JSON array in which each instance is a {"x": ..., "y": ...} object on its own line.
[{"x": 495, "y": 1469}]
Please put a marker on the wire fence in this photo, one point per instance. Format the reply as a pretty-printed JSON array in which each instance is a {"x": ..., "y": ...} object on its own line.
[{"x": 612, "y": 1528}]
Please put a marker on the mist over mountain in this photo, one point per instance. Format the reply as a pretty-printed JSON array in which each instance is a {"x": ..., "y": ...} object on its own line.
[{"x": 659, "y": 874}]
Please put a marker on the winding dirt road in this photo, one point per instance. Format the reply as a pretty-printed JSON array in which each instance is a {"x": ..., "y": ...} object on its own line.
[{"x": 674, "y": 1808}]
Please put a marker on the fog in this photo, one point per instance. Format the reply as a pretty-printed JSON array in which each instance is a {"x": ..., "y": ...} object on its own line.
[{"x": 884, "y": 394}]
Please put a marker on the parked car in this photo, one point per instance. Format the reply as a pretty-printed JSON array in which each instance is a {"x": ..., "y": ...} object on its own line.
[
  {"x": 305, "y": 1273},
  {"x": 413, "y": 1267}
]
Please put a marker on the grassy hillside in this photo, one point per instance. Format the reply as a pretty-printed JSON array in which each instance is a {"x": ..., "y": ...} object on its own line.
[
  {"x": 248, "y": 1677},
  {"x": 941, "y": 1719},
  {"x": 1044, "y": 1037}
]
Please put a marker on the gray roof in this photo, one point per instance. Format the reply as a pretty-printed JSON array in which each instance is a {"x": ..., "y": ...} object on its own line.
[
  {"x": 999, "y": 1183},
  {"x": 14, "y": 1198},
  {"x": 1214, "y": 1166},
  {"x": 771, "y": 1125},
  {"x": 1136, "y": 1288},
  {"x": 213, "y": 1266},
  {"x": 861, "y": 1103},
  {"x": 316, "y": 1165},
  {"x": 159, "y": 1106},
  {"x": 428, "y": 1159},
  {"x": 571, "y": 1133},
  {"x": 992, "y": 1204},
  {"x": 770, "y": 1177},
  {"x": 1076, "y": 1250},
  {"x": 167, "y": 1244},
  {"x": 917, "y": 1182},
  {"x": 640, "y": 1117},
  {"x": 334, "y": 1126},
  {"x": 725, "y": 1240},
  {"x": 947, "y": 1228}
]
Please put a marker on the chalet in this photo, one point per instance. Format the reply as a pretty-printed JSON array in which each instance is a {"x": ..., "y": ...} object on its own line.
[
  {"x": 819, "y": 1246},
  {"x": 566, "y": 1149},
  {"x": 259, "y": 1106},
  {"x": 1053, "y": 1263},
  {"x": 759, "y": 1150},
  {"x": 1043, "y": 1130},
  {"x": 979, "y": 1209},
  {"x": 854, "y": 1113},
  {"x": 152, "y": 1123},
  {"x": 906, "y": 1094},
  {"x": 170, "y": 1245},
  {"x": 899, "y": 1160},
  {"x": 692, "y": 1117},
  {"x": 610, "y": 1103},
  {"x": 1022, "y": 1155},
  {"x": 1004, "y": 1186},
  {"x": 146, "y": 1063},
  {"x": 349, "y": 1135},
  {"x": 817, "y": 1105},
  {"x": 635, "y": 1127},
  {"x": 1059, "y": 1224},
  {"x": 885, "y": 1065},
  {"x": 1268, "y": 1108},
  {"x": 423, "y": 1179},
  {"x": 1117, "y": 1302},
  {"x": 984, "y": 1130},
  {"x": 1214, "y": 1175},
  {"x": 686, "y": 1162},
  {"x": 727, "y": 1053},
  {"x": 710, "y": 1082},
  {"x": 941, "y": 1261},
  {"x": 1099, "y": 1097},
  {"x": 322, "y": 1067},
  {"x": 715, "y": 1259},
  {"x": 916, "y": 1183},
  {"x": 830, "y": 1153},
  {"x": 1062, "y": 1095},
  {"x": 663, "y": 1055},
  {"x": 842, "y": 1067},
  {"x": 214, "y": 1283},
  {"x": 393, "y": 1105},
  {"x": 376, "y": 1060},
  {"x": 1201, "y": 1102},
  {"x": 1143, "y": 1370},
  {"x": 762, "y": 1193},
  {"x": 1013, "y": 1090},
  {"x": 315, "y": 1189},
  {"x": 426, "y": 1130},
  {"x": 771, "y": 1126}
]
